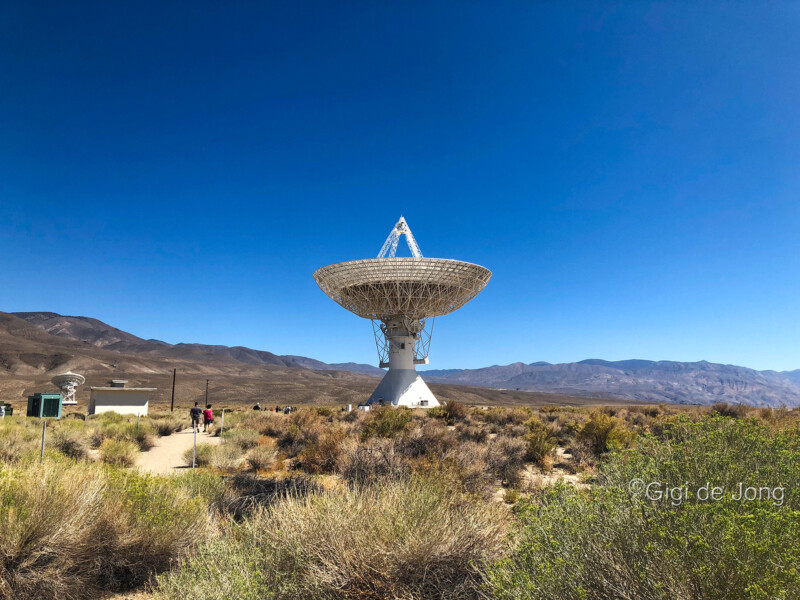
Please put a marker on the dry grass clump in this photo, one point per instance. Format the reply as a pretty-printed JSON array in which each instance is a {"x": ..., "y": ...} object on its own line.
[
  {"x": 243, "y": 438},
  {"x": 225, "y": 457},
  {"x": 201, "y": 455},
  {"x": 167, "y": 426},
  {"x": 17, "y": 441},
  {"x": 374, "y": 460},
  {"x": 71, "y": 530},
  {"x": 505, "y": 458},
  {"x": 262, "y": 458},
  {"x": 120, "y": 453},
  {"x": 70, "y": 443},
  {"x": 414, "y": 538},
  {"x": 472, "y": 433}
]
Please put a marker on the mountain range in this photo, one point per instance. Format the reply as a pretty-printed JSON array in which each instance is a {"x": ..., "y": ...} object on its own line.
[
  {"x": 36, "y": 345},
  {"x": 644, "y": 380}
]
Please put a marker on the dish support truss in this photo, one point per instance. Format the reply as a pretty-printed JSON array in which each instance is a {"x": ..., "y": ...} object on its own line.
[
  {"x": 417, "y": 329},
  {"x": 404, "y": 345},
  {"x": 401, "y": 228}
]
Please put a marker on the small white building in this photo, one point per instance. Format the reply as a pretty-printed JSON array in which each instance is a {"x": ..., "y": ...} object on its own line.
[{"x": 119, "y": 399}]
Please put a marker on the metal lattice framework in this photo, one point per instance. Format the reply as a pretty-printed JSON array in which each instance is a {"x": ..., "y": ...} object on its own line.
[
  {"x": 413, "y": 288},
  {"x": 401, "y": 228}
]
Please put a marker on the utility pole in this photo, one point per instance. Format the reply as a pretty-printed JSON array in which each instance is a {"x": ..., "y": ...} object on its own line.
[
  {"x": 172, "y": 403},
  {"x": 206, "y": 392}
]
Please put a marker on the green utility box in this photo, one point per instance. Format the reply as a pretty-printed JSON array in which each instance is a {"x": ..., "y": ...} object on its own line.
[{"x": 45, "y": 405}]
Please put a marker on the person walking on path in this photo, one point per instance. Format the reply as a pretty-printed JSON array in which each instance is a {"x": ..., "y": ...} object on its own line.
[
  {"x": 208, "y": 418},
  {"x": 196, "y": 412}
]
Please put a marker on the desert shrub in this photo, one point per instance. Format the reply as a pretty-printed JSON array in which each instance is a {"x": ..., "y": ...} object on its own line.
[
  {"x": 386, "y": 422},
  {"x": 469, "y": 461},
  {"x": 450, "y": 411},
  {"x": 227, "y": 458},
  {"x": 376, "y": 459},
  {"x": 414, "y": 538},
  {"x": 140, "y": 434},
  {"x": 202, "y": 457},
  {"x": 243, "y": 438},
  {"x": 603, "y": 433},
  {"x": 72, "y": 531},
  {"x": 168, "y": 426},
  {"x": 262, "y": 458},
  {"x": 540, "y": 440},
  {"x": 592, "y": 544},
  {"x": 473, "y": 433},
  {"x": 723, "y": 409},
  {"x": 304, "y": 426},
  {"x": 245, "y": 495},
  {"x": 70, "y": 443},
  {"x": 352, "y": 416},
  {"x": 504, "y": 416},
  {"x": 432, "y": 438},
  {"x": 120, "y": 453},
  {"x": 323, "y": 454},
  {"x": 326, "y": 412},
  {"x": 207, "y": 488},
  {"x": 506, "y": 458},
  {"x": 17, "y": 441},
  {"x": 96, "y": 437}
]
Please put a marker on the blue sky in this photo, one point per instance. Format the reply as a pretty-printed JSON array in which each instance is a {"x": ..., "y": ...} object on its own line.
[{"x": 629, "y": 172}]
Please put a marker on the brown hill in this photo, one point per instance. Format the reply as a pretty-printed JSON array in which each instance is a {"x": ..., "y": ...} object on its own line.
[{"x": 36, "y": 346}]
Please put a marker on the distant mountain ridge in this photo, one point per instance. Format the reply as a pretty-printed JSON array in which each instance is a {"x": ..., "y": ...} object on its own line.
[
  {"x": 55, "y": 342},
  {"x": 101, "y": 335},
  {"x": 647, "y": 380}
]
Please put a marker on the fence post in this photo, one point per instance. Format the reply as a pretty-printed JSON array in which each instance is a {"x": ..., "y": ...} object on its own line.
[
  {"x": 222, "y": 423},
  {"x": 44, "y": 428},
  {"x": 194, "y": 452}
]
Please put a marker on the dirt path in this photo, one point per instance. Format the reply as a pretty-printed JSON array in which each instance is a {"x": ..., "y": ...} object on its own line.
[{"x": 166, "y": 456}]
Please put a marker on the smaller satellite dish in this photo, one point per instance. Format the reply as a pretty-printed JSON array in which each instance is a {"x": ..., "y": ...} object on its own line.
[{"x": 68, "y": 382}]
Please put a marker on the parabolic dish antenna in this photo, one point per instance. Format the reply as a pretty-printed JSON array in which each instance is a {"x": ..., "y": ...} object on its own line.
[
  {"x": 401, "y": 296},
  {"x": 67, "y": 383}
]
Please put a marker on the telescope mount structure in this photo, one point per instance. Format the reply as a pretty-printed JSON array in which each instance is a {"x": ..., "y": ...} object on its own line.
[
  {"x": 402, "y": 296},
  {"x": 67, "y": 383}
]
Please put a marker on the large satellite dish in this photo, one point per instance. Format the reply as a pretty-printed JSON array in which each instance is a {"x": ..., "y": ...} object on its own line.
[
  {"x": 67, "y": 383},
  {"x": 402, "y": 296}
]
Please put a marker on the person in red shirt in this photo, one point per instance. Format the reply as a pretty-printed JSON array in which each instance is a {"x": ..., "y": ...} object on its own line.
[{"x": 208, "y": 418}]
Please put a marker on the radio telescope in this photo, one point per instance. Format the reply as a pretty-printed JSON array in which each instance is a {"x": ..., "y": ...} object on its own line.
[
  {"x": 402, "y": 296},
  {"x": 67, "y": 382}
]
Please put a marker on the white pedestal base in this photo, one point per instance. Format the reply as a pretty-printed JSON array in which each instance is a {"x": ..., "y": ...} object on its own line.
[{"x": 403, "y": 387}]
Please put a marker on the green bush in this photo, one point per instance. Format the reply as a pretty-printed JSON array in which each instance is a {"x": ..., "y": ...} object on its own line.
[
  {"x": 603, "y": 433},
  {"x": 540, "y": 440},
  {"x": 386, "y": 422},
  {"x": 593, "y": 544},
  {"x": 415, "y": 538}
]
